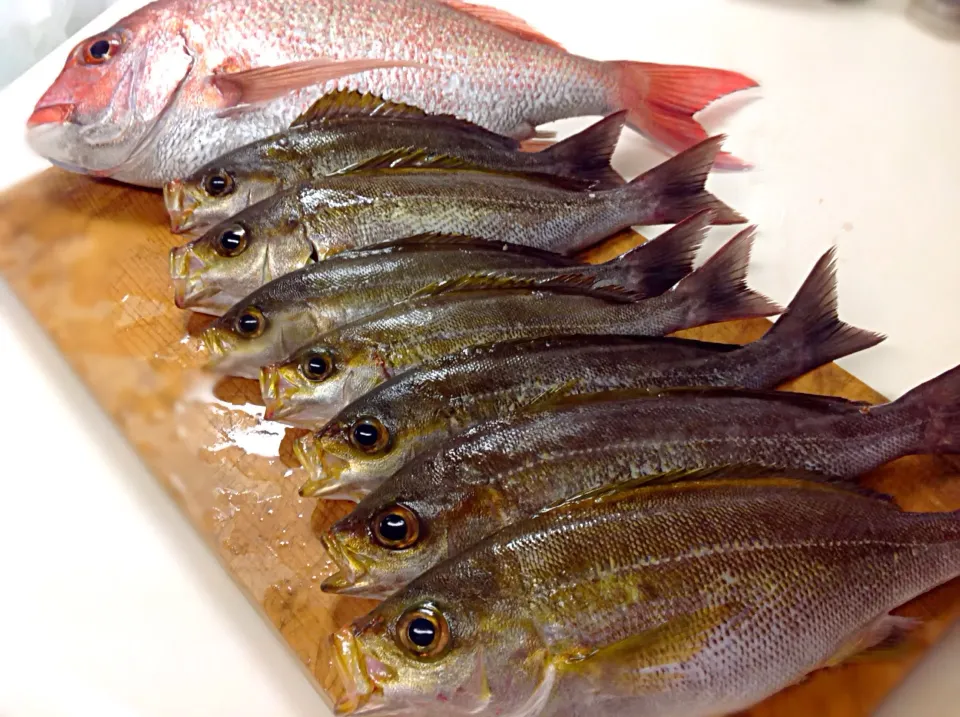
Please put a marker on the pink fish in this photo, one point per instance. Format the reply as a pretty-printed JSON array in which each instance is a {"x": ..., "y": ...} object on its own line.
[{"x": 180, "y": 82}]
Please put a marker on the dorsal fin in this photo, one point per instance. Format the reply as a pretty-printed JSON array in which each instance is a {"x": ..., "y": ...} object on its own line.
[
  {"x": 407, "y": 158},
  {"x": 350, "y": 103},
  {"x": 573, "y": 283},
  {"x": 748, "y": 471},
  {"x": 441, "y": 240},
  {"x": 417, "y": 159},
  {"x": 504, "y": 20},
  {"x": 566, "y": 400},
  {"x": 828, "y": 405},
  {"x": 597, "y": 341}
]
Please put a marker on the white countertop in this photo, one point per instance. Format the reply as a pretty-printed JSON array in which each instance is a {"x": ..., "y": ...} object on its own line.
[{"x": 115, "y": 606}]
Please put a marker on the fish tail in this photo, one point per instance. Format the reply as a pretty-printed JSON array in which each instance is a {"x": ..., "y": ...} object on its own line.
[
  {"x": 587, "y": 154},
  {"x": 810, "y": 332},
  {"x": 655, "y": 266},
  {"x": 675, "y": 189},
  {"x": 718, "y": 290},
  {"x": 936, "y": 404},
  {"x": 663, "y": 99}
]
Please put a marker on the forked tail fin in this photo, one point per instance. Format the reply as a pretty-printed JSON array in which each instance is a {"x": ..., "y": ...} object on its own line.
[
  {"x": 809, "y": 334},
  {"x": 675, "y": 189},
  {"x": 718, "y": 290},
  {"x": 655, "y": 266},
  {"x": 587, "y": 154}
]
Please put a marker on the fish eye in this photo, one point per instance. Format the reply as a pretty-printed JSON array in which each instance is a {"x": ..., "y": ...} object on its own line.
[
  {"x": 396, "y": 528},
  {"x": 99, "y": 50},
  {"x": 219, "y": 184},
  {"x": 424, "y": 631},
  {"x": 251, "y": 323},
  {"x": 232, "y": 242},
  {"x": 317, "y": 366},
  {"x": 369, "y": 435}
]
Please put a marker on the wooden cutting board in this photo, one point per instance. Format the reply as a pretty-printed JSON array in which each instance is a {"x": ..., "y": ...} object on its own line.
[{"x": 89, "y": 260}]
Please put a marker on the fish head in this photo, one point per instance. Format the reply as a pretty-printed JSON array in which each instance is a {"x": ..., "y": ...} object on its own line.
[
  {"x": 113, "y": 93},
  {"x": 411, "y": 522},
  {"x": 367, "y": 442},
  {"x": 260, "y": 330},
  {"x": 426, "y": 652},
  {"x": 382, "y": 545},
  {"x": 236, "y": 257},
  {"x": 225, "y": 187},
  {"x": 319, "y": 380}
]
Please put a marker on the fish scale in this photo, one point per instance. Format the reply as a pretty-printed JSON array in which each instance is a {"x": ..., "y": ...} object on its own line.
[
  {"x": 753, "y": 586},
  {"x": 504, "y": 471},
  {"x": 204, "y": 91},
  {"x": 421, "y": 408},
  {"x": 373, "y": 349}
]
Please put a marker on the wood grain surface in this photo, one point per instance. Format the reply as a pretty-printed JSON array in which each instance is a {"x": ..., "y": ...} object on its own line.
[{"x": 90, "y": 261}]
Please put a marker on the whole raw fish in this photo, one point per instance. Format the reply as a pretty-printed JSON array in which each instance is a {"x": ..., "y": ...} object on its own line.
[
  {"x": 498, "y": 473},
  {"x": 692, "y": 600},
  {"x": 287, "y": 313},
  {"x": 329, "y": 215},
  {"x": 346, "y": 130},
  {"x": 418, "y": 410},
  {"x": 179, "y": 83},
  {"x": 340, "y": 366}
]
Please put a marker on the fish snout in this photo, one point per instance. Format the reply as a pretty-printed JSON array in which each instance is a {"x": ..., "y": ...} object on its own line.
[
  {"x": 278, "y": 393},
  {"x": 215, "y": 346},
  {"x": 351, "y": 665},
  {"x": 185, "y": 268},
  {"x": 349, "y": 570},
  {"x": 324, "y": 470},
  {"x": 51, "y": 114},
  {"x": 270, "y": 390},
  {"x": 180, "y": 206}
]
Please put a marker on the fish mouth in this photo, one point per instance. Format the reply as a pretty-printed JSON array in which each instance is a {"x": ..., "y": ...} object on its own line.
[
  {"x": 51, "y": 114},
  {"x": 216, "y": 346},
  {"x": 324, "y": 470},
  {"x": 350, "y": 570},
  {"x": 180, "y": 206},
  {"x": 273, "y": 386},
  {"x": 284, "y": 400},
  {"x": 188, "y": 289},
  {"x": 190, "y": 293},
  {"x": 362, "y": 676}
]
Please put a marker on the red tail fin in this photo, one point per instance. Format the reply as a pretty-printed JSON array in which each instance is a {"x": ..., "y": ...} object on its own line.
[{"x": 662, "y": 100}]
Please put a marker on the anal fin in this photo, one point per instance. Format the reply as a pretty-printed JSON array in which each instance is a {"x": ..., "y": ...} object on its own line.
[{"x": 883, "y": 639}]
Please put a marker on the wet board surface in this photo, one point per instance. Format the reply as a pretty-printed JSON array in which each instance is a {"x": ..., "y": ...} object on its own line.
[{"x": 89, "y": 259}]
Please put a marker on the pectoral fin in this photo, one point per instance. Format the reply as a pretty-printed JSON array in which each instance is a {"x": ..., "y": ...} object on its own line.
[
  {"x": 652, "y": 657},
  {"x": 266, "y": 83}
]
